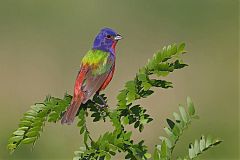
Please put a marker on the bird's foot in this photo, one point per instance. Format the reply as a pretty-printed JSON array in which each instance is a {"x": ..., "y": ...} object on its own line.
[
  {"x": 102, "y": 106},
  {"x": 100, "y": 101}
]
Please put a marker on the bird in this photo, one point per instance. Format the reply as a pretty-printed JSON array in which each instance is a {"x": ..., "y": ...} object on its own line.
[{"x": 96, "y": 71}]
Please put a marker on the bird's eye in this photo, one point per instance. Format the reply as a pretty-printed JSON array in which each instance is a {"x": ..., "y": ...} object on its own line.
[{"x": 109, "y": 36}]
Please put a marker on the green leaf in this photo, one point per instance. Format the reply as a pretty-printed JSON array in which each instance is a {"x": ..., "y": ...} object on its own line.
[
  {"x": 164, "y": 150},
  {"x": 132, "y": 119},
  {"x": 216, "y": 142},
  {"x": 144, "y": 121},
  {"x": 146, "y": 86},
  {"x": 136, "y": 125},
  {"x": 28, "y": 118},
  {"x": 202, "y": 143},
  {"x": 82, "y": 130},
  {"x": 32, "y": 134},
  {"x": 85, "y": 137},
  {"x": 196, "y": 147},
  {"x": 178, "y": 65},
  {"x": 191, "y": 152},
  {"x": 125, "y": 120},
  {"x": 122, "y": 95},
  {"x": 168, "y": 142},
  {"x": 11, "y": 147},
  {"x": 147, "y": 155},
  {"x": 176, "y": 131},
  {"x": 141, "y": 127},
  {"x": 15, "y": 139},
  {"x": 181, "y": 47},
  {"x": 195, "y": 117},
  {"x": 136, "y": 110},
  {"x": 19, "y": 132},
  {"x": 209, "y": 141},
  {"x": 31, "y": 113},
  {"x": 142, "y": 77},
  {"x": 156, "y": 154},
  {"x": 53, "y": 117},
  {"x": 112, "y": 153},
  {"x": 191, "y": 109},
  {"x": 37, "y": 124},
  {"x": 128, "y": 135},
  {"x": 130, "y": 85},
  {"x": 147, "y": 93},
  {"x": 168, "y": 131},
  {"x": 29, "y": 140},
  {"x": 130, "y": 96},
  {"x": 170, "y": 123},
  {"x": 37, "y": 129},
  {"x": 81, "y": 122},
  {"x": 183, "y": 114},
  {"x": 177, "y": 117},
  {"x": 161, "y": 73},
  {"x": 108, "y": 156},
  {"x": 25, "y": 123}
]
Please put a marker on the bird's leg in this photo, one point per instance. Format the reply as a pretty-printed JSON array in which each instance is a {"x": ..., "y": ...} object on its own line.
[{"x": 104, "y": 103}]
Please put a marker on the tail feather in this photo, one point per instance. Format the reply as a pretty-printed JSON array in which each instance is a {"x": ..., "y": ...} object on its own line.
[{"x": 71, "y": 112}]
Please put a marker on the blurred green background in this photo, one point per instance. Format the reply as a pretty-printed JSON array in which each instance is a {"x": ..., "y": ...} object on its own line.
[{"x": 42, "y": 43}]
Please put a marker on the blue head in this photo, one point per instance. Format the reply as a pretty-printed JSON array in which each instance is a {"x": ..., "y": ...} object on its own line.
[{"x": 106, "y": 40}]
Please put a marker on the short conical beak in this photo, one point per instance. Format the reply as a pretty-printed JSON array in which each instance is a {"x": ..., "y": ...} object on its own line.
[{"x": 118, "y": 37}]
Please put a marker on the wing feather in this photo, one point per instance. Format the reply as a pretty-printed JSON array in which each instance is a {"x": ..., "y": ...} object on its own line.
[{"x": 96, "y": 76}]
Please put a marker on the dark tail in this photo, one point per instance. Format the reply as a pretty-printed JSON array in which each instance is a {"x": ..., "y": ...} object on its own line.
[{"x": 71, "y": 112}]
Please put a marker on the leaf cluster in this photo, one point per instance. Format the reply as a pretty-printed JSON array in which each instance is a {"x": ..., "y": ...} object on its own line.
[
  {"x": 126, "y": 112},
  {"x": 175, "y": 130},
  {"x": 162, "y": 63},
  {"x": 32, "y": 123},
  {"x": 201, "y": 145}
]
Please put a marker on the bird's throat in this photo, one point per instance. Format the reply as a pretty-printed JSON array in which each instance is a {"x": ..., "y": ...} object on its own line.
[{"x": 114, "y": 46}]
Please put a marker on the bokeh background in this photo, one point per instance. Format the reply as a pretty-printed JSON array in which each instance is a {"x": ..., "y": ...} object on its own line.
[{"x": 42, "y": 43}]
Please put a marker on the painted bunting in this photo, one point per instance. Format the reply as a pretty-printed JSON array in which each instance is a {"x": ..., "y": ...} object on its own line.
[{"x": 96, "y": 71}]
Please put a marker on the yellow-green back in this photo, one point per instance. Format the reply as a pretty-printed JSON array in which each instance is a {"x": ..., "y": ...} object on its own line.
[
  {"x": 95, "y": 57},
  {"x": 98, "y": 60}
]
